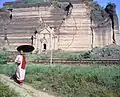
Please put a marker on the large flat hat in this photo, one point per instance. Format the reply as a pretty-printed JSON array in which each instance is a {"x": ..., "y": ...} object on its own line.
[{"x": 25, "y": 48}]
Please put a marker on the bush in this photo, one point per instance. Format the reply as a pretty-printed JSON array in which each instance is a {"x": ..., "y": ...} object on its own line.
[
  {"x": 3, "y": 58},
  {"x": 86, "y": 55},
  {"x": 72, "y": 56},
  {"x": 108, "y": 52}
]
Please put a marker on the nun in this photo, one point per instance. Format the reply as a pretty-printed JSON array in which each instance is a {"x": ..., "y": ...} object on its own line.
[{"x": 21, "y": 62}]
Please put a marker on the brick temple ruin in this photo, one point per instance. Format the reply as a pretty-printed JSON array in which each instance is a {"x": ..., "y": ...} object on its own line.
[{"x": 48, "y": 27}]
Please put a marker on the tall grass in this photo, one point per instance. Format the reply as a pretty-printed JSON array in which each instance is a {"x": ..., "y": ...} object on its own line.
[
  {"x": 102, "y": 81},
  {"x": 66, "y": 81},
  {"x": 6, "y": 91},
  {"x": 7, "y": 69}
]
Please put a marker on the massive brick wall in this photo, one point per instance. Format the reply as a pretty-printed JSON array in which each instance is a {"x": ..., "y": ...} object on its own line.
[
  {"x": 73, "y": 32},
  {"x": 4, "y": 21}
]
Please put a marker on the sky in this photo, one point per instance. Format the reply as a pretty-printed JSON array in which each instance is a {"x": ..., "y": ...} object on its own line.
[
  {"x": 2, "y": 1},
  {"x": 103, "y": 3}
]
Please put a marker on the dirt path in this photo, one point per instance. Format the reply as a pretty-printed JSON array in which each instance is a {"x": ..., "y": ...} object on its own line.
[{"x": 25, "y": 90}]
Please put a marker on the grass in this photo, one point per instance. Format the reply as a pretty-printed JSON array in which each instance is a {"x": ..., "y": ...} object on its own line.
[
  {"x": 5, "y": 91},
  {"x": 66, "y": 81},
  {"x": 59, "y": 78}
]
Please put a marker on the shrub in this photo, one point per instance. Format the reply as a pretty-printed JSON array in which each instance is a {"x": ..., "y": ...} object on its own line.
[
  {"x": 72, "y": 56},
  {"x": 108, "y": 52},
  {"x": 86, "y": 55},
  {"x": 3, "y": 58}
]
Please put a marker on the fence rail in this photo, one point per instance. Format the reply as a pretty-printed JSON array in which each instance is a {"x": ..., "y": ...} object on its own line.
[{"x": 83, "y": 61}]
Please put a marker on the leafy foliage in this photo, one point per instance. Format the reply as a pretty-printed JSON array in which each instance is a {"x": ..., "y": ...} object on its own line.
[
  {"x": 3, "y": 58},
  {"x": 7, "y": 69},
  {"x": 64, "y": 81},
  {"x": 60, "y": 55},
  {"x": 76, "y": 81},
  {"x": 2, "y": 10},
  {"x": 108, "y": 52}
]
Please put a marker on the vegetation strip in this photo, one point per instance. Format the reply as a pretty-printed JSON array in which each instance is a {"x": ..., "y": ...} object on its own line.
[
  {"x": 75, "y": 81},
  {"x": 67, "y": 81},
  {"x": 25, "y": 90}
]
